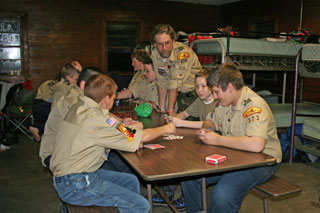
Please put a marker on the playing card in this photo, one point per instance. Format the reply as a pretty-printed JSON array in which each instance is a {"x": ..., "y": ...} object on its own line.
[
  {"x": 172, "y": 137},
  {"x": 154, "y": 146}
]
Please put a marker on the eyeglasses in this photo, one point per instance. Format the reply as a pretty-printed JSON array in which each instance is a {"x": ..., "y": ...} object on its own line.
[{"x": 164, "y": 44}]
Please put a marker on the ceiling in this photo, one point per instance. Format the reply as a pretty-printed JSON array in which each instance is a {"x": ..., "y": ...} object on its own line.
[{"x": 208, "y": 2}]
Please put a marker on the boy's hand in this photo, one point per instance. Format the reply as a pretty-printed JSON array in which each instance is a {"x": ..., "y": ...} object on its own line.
[
  {"x": 171, "y": 128},
  {"x": 77, "y": 65}
]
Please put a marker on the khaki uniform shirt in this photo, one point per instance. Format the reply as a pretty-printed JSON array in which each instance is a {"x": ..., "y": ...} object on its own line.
[
  {"x": 250, "y": 117},
  {"x": 142, "y": 89},
  {"x": 46, "y": 90},
  {"x": 178, "y": 70},
  {"x": 61, "y": 89},
  {"x": 200, "y": 110},
  {"x": 84, "y": 137},
  {"x": 55, "y": 118}
]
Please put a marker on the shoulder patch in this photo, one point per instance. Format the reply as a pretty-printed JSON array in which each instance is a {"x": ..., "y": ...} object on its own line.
[
  {"x": 183, "y": 55},
  {"x": 245, "y": 102},
  {"x": 251, "y": 111},
  {"x": 126, "y": 131},
  {"x": 111, "y": 121}
]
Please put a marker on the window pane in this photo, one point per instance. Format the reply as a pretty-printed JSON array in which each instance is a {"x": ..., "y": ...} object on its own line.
[
  {"x": 9, "y": 26},
  {"x": 8, "y": 65},
  {"x": 10, "y": 53},
  {"x": 7, "y": 39}
]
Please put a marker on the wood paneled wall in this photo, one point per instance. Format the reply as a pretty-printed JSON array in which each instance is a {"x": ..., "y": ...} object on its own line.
[{"x": 63, "y": 31}]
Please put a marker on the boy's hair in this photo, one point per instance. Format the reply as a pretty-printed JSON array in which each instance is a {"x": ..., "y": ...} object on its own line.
[
  {"x": 87, "y": 72},
  {"x": 67, "y": 70},
  {"x": 204, "y": 73},
  {"x": 224, "y": 75},
  {"x": 142, "y": 55},
  {"x": 99, "y": 86},
  {"x": 162, "y": 28}
]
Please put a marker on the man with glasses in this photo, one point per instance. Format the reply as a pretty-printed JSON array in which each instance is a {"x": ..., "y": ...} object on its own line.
[{"x": 175, "y": 65}]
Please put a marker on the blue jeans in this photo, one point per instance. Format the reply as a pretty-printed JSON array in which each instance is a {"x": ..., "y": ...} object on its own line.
[
  {"x": 102, "y": 188},
  {"x": 116, "y": 163},
  {"x": 229, "y": 191}
]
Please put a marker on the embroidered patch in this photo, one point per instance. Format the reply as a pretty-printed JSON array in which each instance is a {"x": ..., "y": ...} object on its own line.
[
  {"x": 126, "y": 131},
  {"x": 111, "y": 121},
  {"x": 251, "y": 111},
  {"x": 183, "y": 55},
  {"x": 161, "y": 71}
]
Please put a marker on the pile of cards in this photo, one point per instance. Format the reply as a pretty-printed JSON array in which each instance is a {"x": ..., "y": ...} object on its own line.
[
  {"x": 214, "y": 159},
  {"x": 172, "y": 137},
  {"x": 154, "y": 146}
]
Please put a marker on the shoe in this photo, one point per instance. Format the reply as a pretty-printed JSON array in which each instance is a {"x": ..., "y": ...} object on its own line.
[
  {"x": 159, "y": 201},
  {"x": 179, "y": 204}
]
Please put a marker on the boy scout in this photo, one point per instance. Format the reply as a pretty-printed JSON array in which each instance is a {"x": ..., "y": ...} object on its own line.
[
  {"x": 142, "y": 86},
  {"x": 59, "y": 111},
  {"x": 85, "y": 137},
  {"x": 175, "y": 65},
  {"x": 246, "y": 123}
]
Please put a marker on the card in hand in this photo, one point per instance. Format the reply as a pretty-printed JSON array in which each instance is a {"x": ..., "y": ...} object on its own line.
[{"x": 154, "y": 146}]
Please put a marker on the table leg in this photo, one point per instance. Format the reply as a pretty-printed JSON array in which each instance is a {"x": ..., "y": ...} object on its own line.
[
  {"x": 149, "y": 196},
  {"x": 204, "y": 195}
]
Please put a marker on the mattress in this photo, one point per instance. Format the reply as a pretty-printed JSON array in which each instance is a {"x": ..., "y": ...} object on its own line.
[
  {"x": 311, "y": 127},
  {"x": 282, "y": 113},
  {"x": 245, "y": 46}
]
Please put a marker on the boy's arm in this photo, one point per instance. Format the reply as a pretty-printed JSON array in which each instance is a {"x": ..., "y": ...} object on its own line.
[
  {"x": 208, "y": 125},
  {"x": 183, "y": 115},
  {"x": 152, "y": 133},
  {"x": 124, "y": 94}
]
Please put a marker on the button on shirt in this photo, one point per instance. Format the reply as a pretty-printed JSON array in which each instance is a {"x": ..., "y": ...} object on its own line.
[
  {"x": 178, "y": 70},
  {"x": 250, "y": 117},
  {"x": 83, "y": 137}
]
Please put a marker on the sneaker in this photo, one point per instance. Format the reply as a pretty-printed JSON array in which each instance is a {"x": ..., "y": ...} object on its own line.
[
  {"x": 179, "y": 204},
  {"x": 159, "y": 201}
]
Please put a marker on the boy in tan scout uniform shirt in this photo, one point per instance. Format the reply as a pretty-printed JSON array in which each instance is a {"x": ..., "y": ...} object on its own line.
[
  {"x": 175, "y": 65},
  {"x": 142, "y": 85},
  {"x": 48, "y": 94},
  {"x": 246, "y": 123},
  {"x": 59, "y": 111},
  {"x": 85, "y": 137}
]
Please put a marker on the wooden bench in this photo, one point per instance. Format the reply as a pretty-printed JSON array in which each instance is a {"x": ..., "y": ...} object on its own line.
[
  {"x": 275, "y": 187},
  {"x": 91, "y": 209}
]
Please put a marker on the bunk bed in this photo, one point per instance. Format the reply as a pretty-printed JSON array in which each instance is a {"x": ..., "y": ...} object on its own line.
[
  {"x": 307, "y": 66},
  {"x": 258, "y": 55}
]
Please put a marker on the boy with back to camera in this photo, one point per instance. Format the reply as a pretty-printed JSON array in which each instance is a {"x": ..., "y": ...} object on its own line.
[{"x": 85, "y": 137}]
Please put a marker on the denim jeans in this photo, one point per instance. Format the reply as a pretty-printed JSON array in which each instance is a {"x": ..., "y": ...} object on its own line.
[
  {"x": 229, "y": 191},
  {"x": 116, "y": 163},
  {"x": 102, "y": 188}
]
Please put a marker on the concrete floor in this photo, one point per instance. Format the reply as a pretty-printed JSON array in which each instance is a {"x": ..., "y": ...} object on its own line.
[{"x": 25, "y": 186}]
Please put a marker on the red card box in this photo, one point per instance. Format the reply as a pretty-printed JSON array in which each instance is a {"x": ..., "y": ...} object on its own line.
[{"x": 215, "y": 158}]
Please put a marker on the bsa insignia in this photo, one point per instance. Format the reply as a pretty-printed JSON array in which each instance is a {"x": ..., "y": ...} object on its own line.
[
  {"x": 126, "y": 131},
  {"x": 111, "y": 121},
  {"x": 180, "y": 48},
  {"x": 183, "y": 55},
  {"x": 251, "y": 111}
]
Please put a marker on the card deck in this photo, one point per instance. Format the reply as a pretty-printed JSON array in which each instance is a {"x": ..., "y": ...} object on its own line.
[
  {"x": 214, "y": 159},
  {"x": 154, "y": 146}
]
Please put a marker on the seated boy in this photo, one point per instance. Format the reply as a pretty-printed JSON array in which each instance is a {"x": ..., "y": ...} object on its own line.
[{"x": 82, "y": 145}]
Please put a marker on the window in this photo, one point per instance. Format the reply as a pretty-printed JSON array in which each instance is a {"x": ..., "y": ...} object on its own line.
[
  {"x": 121, "y": 40},
  {"x": 10, "y": 46}
]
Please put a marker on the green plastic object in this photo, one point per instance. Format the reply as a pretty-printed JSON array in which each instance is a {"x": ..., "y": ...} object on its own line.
[{"x": 143, "y": 110}]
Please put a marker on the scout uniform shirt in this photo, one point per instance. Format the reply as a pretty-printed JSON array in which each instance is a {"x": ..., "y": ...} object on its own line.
[
  {"x": 61, "y": 88},
  {"x": 250, "y": 117},
  {"x": 46, "y": 91},
  {"x": 178, "y": 70},
  {"x": 55, "y": 118},
  {"x": 85, "y": 137},
  {"x": 200, "y": 109},
  {"x": 142, "y": 89}
]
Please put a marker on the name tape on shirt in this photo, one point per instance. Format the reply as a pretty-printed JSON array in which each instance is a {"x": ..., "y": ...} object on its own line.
[
  {"x": 183, "y": 55},
  {"x": 251, "y": 111}
]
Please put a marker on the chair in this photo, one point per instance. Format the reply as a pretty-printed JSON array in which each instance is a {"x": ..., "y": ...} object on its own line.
[{"x": 16, "y": 113}]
